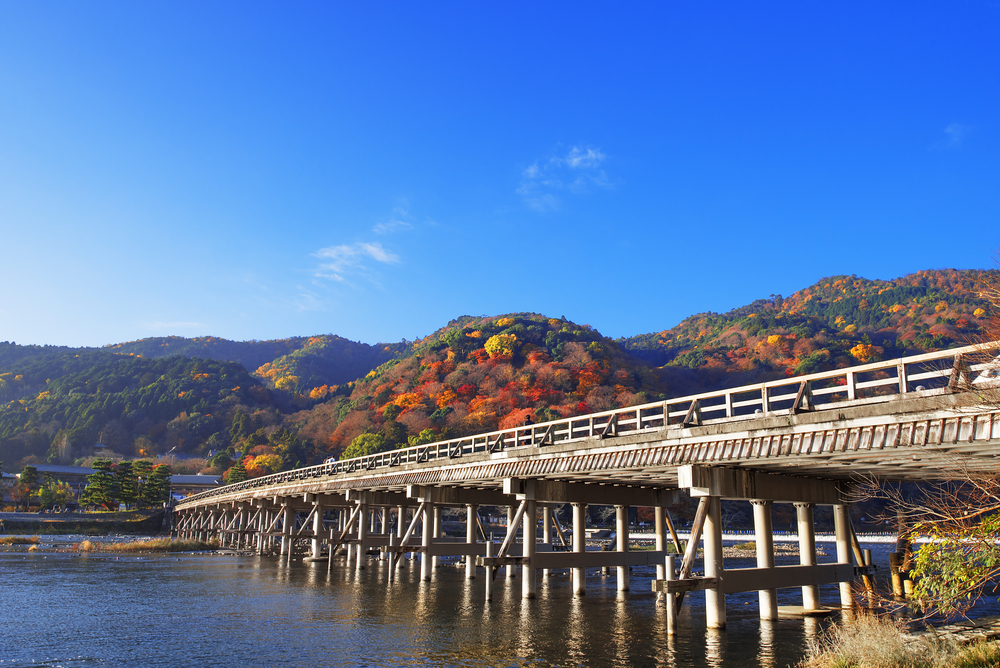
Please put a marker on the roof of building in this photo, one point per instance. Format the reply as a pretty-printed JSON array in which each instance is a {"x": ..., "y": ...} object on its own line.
[
  {"x": 55, "y": 468},
  {"x": 195, "y": 480}
]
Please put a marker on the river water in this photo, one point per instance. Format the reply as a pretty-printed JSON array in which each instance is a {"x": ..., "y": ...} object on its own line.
[{"x": 66, "y": 609}]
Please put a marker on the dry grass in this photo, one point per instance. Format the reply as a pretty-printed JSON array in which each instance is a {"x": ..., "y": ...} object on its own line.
[
  {"x": 18, "y": 540},
  {"x": 154, "y": 545},
  {"x": 869, "y": 641}
]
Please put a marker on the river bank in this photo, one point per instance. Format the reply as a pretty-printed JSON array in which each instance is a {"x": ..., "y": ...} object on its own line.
[{"x": 133, "y": 522}]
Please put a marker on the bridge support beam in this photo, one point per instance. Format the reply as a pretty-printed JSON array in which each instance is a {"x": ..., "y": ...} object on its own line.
[
  {"x": 436, "y": 533},
  {"x": 317, "y": 543},
  {"x": 842, "y": 533},
  {"x": 546, "y": 532},
  {"x": 510, "y": 570},
  {"x": 530, "y": 537},
  {"x": 764, "y": 535},
  {"x": 579, "y": 545},
  {"x": 807, "y": 551},
  {"x": 287, "y": 524},
  {"x": 427, "y": 536},
  {"x": 361, "y": 554},
  {"x": 715, "y": 599},
  {"x": 471, "y": 515},
  {"x": 621, "y": 527}
]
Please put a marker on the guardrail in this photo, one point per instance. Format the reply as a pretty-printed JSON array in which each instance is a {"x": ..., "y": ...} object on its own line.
[{"x": 927, "y": 374}]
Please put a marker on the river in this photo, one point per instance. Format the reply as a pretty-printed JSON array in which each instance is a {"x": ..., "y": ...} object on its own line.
[{"x": 68, "y": 609}]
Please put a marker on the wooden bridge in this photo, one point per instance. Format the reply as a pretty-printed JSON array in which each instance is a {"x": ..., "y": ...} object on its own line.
[{"x": 801, "y": 440}]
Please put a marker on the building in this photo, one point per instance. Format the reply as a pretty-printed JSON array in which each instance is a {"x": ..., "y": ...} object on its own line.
[{"x": 185, "y": 485}]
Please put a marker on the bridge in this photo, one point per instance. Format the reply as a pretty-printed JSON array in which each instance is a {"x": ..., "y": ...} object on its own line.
[{"x": 803, "y": 440}]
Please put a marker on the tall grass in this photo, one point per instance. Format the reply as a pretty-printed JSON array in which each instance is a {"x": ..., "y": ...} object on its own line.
[
  {"x": 18, "y": 540},
  {"x": 869, "y": 641},
  {"x": 154, "y": 545}
]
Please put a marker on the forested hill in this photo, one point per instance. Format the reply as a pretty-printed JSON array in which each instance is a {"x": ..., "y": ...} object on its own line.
[
  {"x": 478, "y": 374},
  {"x": 272, "y": 405},
  {"x": 839, "y": 321},
  {"x": 298, "y": 363}
]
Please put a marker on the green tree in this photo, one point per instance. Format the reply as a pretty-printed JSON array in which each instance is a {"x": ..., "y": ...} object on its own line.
[
  {"x": 102, "y": 486},
  {"x": 157, "y": 489},
  {"x": 364, "y": 444},
  {"x": 143, "y": 470},
  {"x": 128, "y": 490},
  {"x": 237, "y": 473}
]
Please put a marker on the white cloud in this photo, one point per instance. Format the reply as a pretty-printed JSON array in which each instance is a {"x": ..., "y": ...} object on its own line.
[
  {"x": 576, "y": 171},
  {"x": 391, "y": 226},
  {"x": 955, "y": 134},
  {"x": 345, "y": 260}
]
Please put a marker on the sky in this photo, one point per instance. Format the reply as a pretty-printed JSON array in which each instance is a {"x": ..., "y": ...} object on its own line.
[{"x": 260, "y": 170}]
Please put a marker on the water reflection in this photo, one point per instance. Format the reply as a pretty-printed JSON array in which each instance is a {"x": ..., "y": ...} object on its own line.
[
  {"x": 713, "y": 647},
  {"x": 765, "y": 654},
  {"x": 268, "y": 612}
]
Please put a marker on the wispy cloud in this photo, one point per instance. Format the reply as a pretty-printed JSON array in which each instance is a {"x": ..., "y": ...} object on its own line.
[
  {"x": 954, "y": 135},
  {"x": 575, "y": 171},
  {"x": 340, "y": 262},
  {"x": 398, "y": 222}
]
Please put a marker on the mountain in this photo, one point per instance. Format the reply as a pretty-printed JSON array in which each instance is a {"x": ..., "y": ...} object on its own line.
[
  {"x": 276, "y": 404},
  {"x": 480, "y": 374},
  {"x": 839, "y": 321}
]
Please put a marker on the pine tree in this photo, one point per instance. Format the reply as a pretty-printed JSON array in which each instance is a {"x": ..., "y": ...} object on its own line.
[
  {"x": 102, "y": 486},
  {"x": 237, "y": 473}
]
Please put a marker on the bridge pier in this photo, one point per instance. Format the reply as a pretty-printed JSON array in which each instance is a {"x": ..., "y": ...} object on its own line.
[
  {"x": 579, "y": 546},
  {"x": 530, "y": 537},
  {"x": 287, "y": 522},
  {"x": 427, "y": 535},
  {"x": 317, "y": 527},
  {"x": 546, "y": 532},
  {"x": 621, "y": 534},
  {"x": 471, "y": 516},
  {"x": 510, "y": 568},
  {"x": 764, "y": 537},
  {"x": 842, "y": 533},
  {"x": 807, "y": 551},
  {"x": 715, "y": 599},
  {"x": 361, "y": 555}
]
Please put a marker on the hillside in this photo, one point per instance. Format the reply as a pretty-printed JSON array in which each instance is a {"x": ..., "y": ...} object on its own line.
[
  {"x": 296, "y": 364},
  {"x": 839, "y": 321},
  {"x": 478, "y": 374},
  {"x": 272, "y": 405},
  {"x": 57, "y": 405}
]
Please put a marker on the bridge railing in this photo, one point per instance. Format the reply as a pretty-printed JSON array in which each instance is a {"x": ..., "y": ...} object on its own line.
[{"x": 927, "y": 374}]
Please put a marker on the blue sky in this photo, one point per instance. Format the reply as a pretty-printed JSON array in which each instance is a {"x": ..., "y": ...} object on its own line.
[{"x": 373, "y": 170}]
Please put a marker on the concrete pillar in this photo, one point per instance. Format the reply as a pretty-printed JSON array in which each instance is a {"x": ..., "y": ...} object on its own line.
[
  {"x": 807, "y": 551},
  {"x": 427, "y": 541},
  {"x": 669, "y": 570},
  {"x": 621, "y": 530},
  {"x": 262, "y": 524},
  {"x": 359, "y": 551},
  {"x": 660, "y": 529},
  {"x": 317, "y": 544},
  {"x": 579, "y": 545},
  {"x": 715, "y": 600},
  {"x": 528, "y": 573},
  {"x": 764, "y": 534},
  {"x": 546, "y": 532},
  {"x": 470, "y": 538},
  {"x": 436, "y": 561},
  {"x": 842, "y": 533},
  {"x": 510, "y": 570}
]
